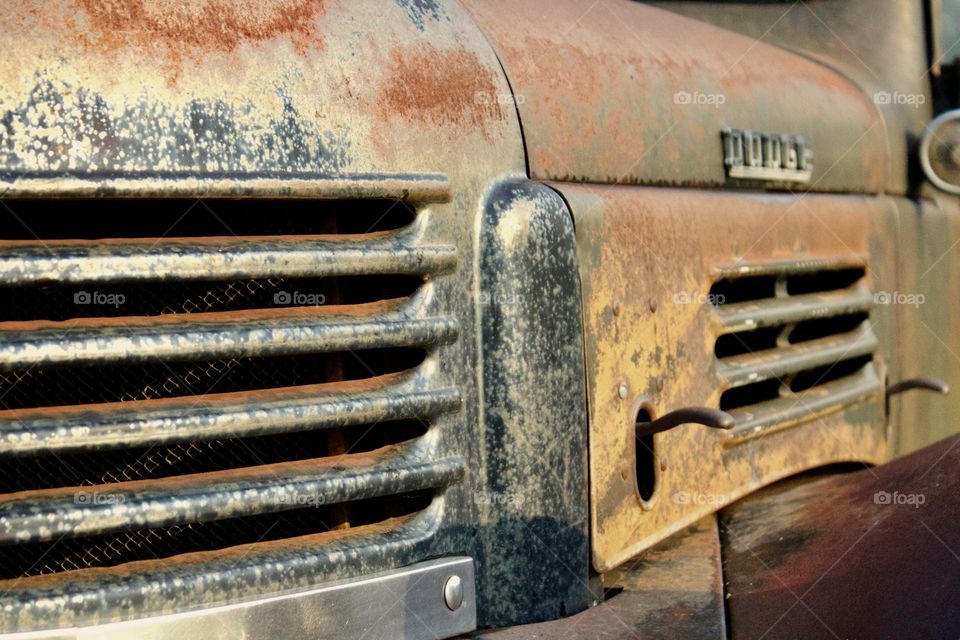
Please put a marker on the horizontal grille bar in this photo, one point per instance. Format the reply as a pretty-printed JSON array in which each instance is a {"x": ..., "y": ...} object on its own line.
[
  {"x": 86, "y": 597},
  {"x": 416, "y": 188},
  {"x": 746, "y": 316},
  {"x": 218, "y": 335},
  {"x": 746, "y": 369},
  {"x": 228, "y": 415},
  {"x": 44, "y": 515},
  {"x": 792, "y": 266},
  {"x": 23, "y": 263},
  {"x": 794, "y": 408}
]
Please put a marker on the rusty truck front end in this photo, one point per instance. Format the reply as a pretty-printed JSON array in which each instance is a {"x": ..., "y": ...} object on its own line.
[{"x": 424, "y": 317}]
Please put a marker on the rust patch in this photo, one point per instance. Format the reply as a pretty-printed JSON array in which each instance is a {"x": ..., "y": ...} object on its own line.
[
  {"x": 201, "y": 25},
  {"x": 440, "y": 88}
]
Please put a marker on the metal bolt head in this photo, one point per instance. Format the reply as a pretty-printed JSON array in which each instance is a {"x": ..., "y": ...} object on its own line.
[
  {"x": 453, "y": 593},
  {"x": 622, "y": 391}
]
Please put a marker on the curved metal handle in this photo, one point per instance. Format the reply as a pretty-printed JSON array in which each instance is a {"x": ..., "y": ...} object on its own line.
[
  {"x": 713, "y": 418},
  {"x": 927, "y": 384}
]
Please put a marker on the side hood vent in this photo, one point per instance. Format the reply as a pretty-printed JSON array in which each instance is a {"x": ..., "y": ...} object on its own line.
[{"x": 794, "y": 340}]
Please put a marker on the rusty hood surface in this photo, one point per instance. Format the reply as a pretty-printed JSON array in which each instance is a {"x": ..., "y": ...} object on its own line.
[
  {"x": 207, "y": 89},
  {"x": 620, "y": 92}
]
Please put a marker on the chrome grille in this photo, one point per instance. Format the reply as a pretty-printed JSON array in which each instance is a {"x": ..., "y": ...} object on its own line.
[{"x": 271, "y": 376}]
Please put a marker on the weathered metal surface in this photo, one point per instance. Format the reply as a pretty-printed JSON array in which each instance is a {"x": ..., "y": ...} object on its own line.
[
  {"x": 674, "y": 590},
  {"x": 605, "y": 94},
  {"x": 869, "y": 554},
  {"x": 789, "y": 412},
  {"x": 928, "y": 321},
  {"x": 534, "y": 478},
  {"x": 414, "y": 188},
  {"x": 648, "y": 259},
  {"x": 757, "y": 314},
  {"x": 754, "y": 367},
  {"x": 32, "y": 516},
  {"x": 141, "y": 423},
  {"x": 214, "y": 335},
  {"x": 24, "y": 262},
  {"x": 284, "y": 99},
  {"x": 193, "y": 89},
  {"x": 880, "y": 46}
]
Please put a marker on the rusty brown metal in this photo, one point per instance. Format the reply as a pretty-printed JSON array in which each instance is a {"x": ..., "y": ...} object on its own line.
[
  {"x": 606, "y": 94},
  {"x": 880, "y": 46},
  {"x": 870, "y": 554},
  {"x": 674, "y": 590},
  {"x": 649, "y": 258},
  {"x": 200, "y": 90}
]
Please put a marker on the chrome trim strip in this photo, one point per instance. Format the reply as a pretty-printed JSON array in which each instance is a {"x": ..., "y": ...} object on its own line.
[{"x": 405, "y": 603}]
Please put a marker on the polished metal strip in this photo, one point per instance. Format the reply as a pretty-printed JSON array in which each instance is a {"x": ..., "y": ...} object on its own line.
[{"x": 413, "y": 603}]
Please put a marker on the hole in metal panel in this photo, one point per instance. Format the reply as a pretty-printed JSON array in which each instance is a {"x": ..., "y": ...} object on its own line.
[
  {"x": 646, "y": 461},
  {"x": 825, "y": 280},
  {"x": 742, "y": 289},
  {"x": 825, "y": 327},
  {"x": 735, "y": 344},
  {"x": 828, "y": 373}
]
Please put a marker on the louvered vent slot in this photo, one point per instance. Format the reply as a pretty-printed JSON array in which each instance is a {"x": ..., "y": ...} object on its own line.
[
  {"x": 794, "y": 341},
  {"x": 183, "y": 376}
]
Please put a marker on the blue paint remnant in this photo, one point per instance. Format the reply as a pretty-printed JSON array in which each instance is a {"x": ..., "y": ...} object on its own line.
[
  {"x": 420, "y": 11},
  {"x": 58, "y": 129}
]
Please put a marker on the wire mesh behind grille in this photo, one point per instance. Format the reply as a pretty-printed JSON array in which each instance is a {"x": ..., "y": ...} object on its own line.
[
  {"x": 94, "y": 219},
  {"x": 60, "y": 302},
  {"x": 163, "y": 542},
  {"x": 58, "y": 386},
  {"x": 326, "y": 419}
]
